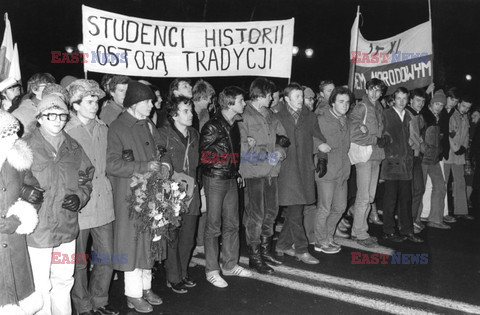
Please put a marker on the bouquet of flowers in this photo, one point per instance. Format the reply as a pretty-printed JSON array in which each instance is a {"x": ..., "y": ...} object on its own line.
[{"x": 156, "y": 203}]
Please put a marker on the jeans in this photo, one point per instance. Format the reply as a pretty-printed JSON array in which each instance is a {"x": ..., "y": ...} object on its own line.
[
  {"x": 418, "y": 188},
  {"x": 332, "y": 201},
  {"x": 222, "y": 219},
  {"x": 293, "y": 232},
  {"x": 398, "y": 192},
  {"x": 202, "y": 220},
  {"x": 87, "y": 296},
  {"x": 438, "y": 191},
  {"x": 261, "y": 208},
  {"x": 179, "y": 250},
  {"x": 136, "y": 281},
  {"x": 459, "y": 187},
  {"x": 367, "y": 179},
  {"x": 53, "y": 279}
]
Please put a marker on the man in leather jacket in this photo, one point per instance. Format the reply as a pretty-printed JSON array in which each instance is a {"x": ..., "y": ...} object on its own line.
[{"x": 220, "y": 159}]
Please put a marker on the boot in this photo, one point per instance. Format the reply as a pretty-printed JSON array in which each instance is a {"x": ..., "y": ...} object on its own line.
[
  {"x": 256, "y": 262},
  {"x": 373, "y": 217},
  {"x": 265, "y": 251}
]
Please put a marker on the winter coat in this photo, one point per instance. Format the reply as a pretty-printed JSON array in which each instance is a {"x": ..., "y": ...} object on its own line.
[
  {"x": 99, "y": 209},
  {"x": 16, "y": 280},
  {"x": 254, "y": 161},
  {"x": 110, "y": 111},
  {"x": 57, "y": 173},
  {"x": 338, "y": 138},
  {"x": 374, "y": 125},
  {"x": 458, "y": 128},
  {"x": 416, "y": 124},
  {"x": 170, "y": 140},
  {"x": 26, "y": 115},
  {"x": 140, "y": 136},
  {"x": 398, "y": 163},
  {"x": 431, "y": 139},
  {"x": 296, "y": 184},
  {"x": 220, "y": 148}
]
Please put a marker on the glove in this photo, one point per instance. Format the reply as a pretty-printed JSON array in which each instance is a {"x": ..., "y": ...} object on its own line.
[
  {"x": 9, "y": 225},
  {"x": 282, "y": 141},
  {"x": 85, "y": 176},
  {"x": 383, "y": 141},
  {"x": 32, "y": 194},
  {"x": 321, "y": 167},
  {"x": 461, "y": 151},
  {"x": 127, "y": 155},
  {"x": 71, "y": 203},
  {"x": 452, "y": 134}
]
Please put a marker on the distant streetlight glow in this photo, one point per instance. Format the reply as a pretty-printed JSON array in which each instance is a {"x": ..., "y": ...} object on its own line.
[
  {"x": 295, "y": 50},
  {"x": 468, "y": 77},
  {"x": 80, "y": 47},
  {"x": 69, "y": 49},
  {"x": 309, "y": 52}
]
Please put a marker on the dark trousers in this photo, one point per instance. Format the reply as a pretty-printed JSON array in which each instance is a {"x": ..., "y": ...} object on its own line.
[
  {"x": 261, "y": 208},
  {"x": 87, "y": 296},
  {"x": 222, "y": 219},
  {"x": 180, "y": 249},
  {"x": 398, "y": 192},
  {"x": 293, "y": 232},
  {"x": 418, "y": 188}
]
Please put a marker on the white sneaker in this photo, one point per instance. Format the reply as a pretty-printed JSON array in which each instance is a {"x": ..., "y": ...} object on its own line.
[
  {"x": 238, "y": 271},
  {"x": 214, "y": 278}
]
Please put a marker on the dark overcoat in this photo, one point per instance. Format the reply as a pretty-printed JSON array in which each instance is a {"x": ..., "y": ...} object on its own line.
[
  {"x": 296, "y": 184},
  {"x": 398, "y": 163},
  {"x": 140, "y": 136}
]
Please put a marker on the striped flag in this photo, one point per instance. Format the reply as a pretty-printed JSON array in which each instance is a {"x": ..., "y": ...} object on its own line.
[{"x": 9, "y": 60}]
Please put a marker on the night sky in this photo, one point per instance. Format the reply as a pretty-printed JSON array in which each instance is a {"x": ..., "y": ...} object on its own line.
[{"x": 42, "y": 26}]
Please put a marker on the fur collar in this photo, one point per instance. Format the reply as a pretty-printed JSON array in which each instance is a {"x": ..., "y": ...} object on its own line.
[{"x": 20, "y": 156}]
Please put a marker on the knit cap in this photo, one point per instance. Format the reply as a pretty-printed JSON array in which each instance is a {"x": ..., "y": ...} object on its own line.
[
  {"x": 137, "y": 92},
  {"x": 49, "y": 102},
  {"x": 9, "y": 125},
  {"x": 78, "y": 89},
  {"x": 439, "y": 96},
  {"x": 57, "y": 90}
]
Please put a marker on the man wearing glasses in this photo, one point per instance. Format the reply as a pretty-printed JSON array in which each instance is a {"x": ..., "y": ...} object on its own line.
[{"x": 58, "y": 160}]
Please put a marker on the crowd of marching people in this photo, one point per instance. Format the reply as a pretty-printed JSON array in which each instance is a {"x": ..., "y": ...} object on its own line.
[{"x": 320, "y": 165}]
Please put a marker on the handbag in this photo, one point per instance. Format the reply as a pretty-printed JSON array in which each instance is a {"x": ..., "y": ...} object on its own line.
[{"x": 360, "y": 153}]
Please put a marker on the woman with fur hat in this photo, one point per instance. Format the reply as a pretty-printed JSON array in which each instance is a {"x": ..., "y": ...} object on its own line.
[
  {"x": 131, "y": 148},
  {"x": 59, "y": 161},
  {"x": 17, "y": 218}
]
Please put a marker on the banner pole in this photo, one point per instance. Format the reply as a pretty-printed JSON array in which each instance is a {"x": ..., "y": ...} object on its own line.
[
  {"x": 86, "y": 75},
  {"x": 352, "y": 74},
  {"x": 431, "y": 35}
]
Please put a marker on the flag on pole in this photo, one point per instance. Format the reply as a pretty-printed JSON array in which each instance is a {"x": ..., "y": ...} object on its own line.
[
  {"x": 9, "y": 60},
  {"x": 404, "y": 60}
]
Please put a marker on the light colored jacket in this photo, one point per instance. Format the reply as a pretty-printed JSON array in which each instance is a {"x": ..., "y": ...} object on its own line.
[
  {"x": 264, "y": 131},
  {"x": 459, "y": 127},
  {"x": 374, "y": 125},
  {"x": 99, "y": 209}
]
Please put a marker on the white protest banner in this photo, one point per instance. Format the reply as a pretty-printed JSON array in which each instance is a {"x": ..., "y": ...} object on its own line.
[
  {"x": 120, "y": 44},
  {"x": 402, "y": 60}
]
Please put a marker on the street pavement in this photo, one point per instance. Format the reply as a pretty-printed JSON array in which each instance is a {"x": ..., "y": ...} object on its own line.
[{"x": 440, "y": 276}]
